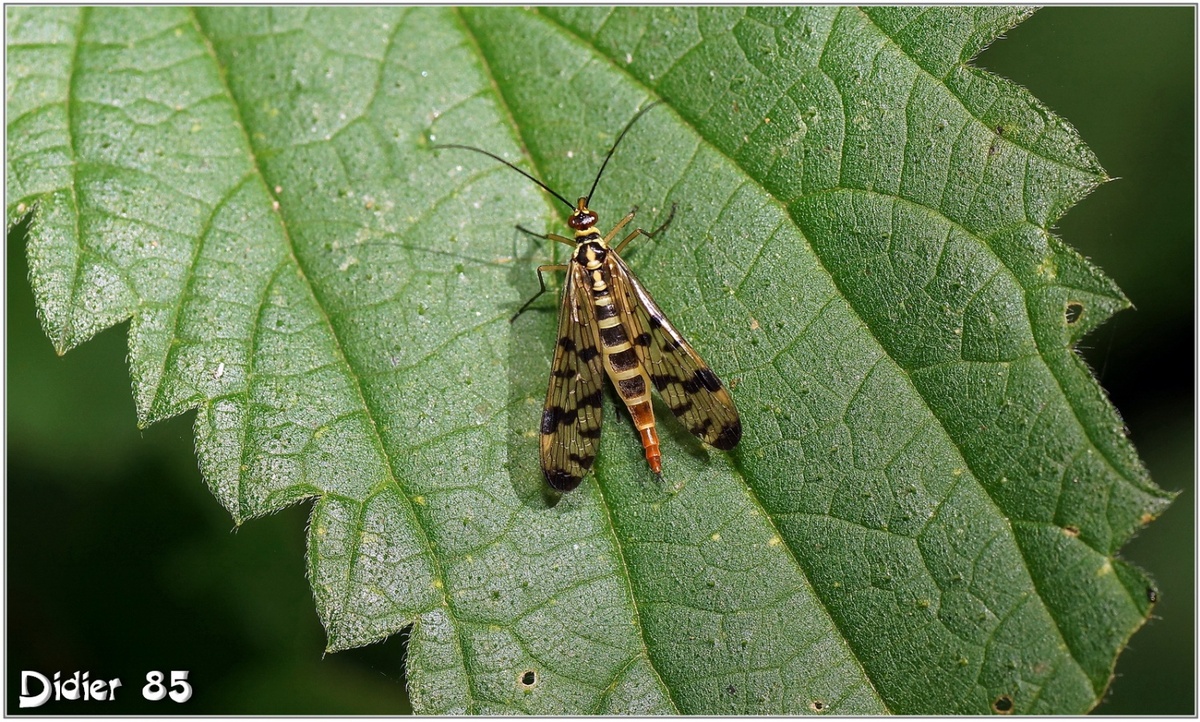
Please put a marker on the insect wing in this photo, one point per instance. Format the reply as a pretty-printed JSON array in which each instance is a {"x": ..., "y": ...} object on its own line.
[
  {"x": 692, "y": 391},
  {"x": 571, "y": 419}
]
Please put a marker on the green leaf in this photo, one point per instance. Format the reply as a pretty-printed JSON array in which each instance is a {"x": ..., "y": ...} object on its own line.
[{"x": 924, "y": 513}]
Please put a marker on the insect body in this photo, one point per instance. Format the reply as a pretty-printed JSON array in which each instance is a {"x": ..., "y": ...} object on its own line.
[{"x": 609, "y": 325}]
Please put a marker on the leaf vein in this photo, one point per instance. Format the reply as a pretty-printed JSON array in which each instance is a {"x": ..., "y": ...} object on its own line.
[{"x": 352, "y": 372}]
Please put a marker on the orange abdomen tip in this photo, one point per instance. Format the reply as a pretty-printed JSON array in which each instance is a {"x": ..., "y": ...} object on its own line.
[{"x": 650, "y": 443}]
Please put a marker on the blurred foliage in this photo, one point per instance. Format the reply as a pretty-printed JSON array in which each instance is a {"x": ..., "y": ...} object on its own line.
[{"x": 126, "y": 564}]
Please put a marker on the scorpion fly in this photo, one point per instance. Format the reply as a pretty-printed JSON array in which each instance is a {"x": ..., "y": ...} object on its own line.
[{"x": 609, "y": 325}]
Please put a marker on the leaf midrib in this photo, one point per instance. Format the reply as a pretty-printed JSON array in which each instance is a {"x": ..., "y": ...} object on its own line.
[
  {"x": 369, "y": 412},
  {"x": 903, "y": 371},
  {"x": 734, "y": 457},
  {"x": 502, "y": 102},
  {"x": 380, "y": 448}
]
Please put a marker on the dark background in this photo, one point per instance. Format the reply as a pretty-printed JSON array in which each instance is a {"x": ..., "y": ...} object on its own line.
[{"x": 120, "y": 561}]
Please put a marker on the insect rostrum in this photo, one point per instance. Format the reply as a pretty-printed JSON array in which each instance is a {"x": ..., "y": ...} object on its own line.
[{"x": 609, "y": 325}]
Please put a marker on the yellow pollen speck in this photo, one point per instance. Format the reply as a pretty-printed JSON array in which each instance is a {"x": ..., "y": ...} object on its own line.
[
  {"x": 958, "y": 472},
  {"x": 775, "y": 541},
  {"x": 419, "y": 500},
  {"x": 715, "y": 537},
  {"x": 1105, "y": 568},
  {"x": 322, "y": 530},
  {"x": 437, "y": 583}
]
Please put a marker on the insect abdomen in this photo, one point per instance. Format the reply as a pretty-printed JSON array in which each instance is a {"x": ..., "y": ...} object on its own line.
[{"x": 623, "y": 366}]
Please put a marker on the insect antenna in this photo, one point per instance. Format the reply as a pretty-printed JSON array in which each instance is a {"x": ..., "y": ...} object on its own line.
[
  {"x": 629, "y": 125},
  {"x": 545, "y": 187}
]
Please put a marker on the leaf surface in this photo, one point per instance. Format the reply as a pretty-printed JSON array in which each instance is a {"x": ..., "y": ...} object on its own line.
[{"x": 924, "y": 513}]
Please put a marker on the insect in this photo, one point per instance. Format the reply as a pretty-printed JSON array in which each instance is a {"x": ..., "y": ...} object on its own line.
[{"x": 609, "y": 325}]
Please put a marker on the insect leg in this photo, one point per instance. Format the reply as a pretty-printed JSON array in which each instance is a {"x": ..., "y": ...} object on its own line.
[
  {"x": 639, "y": 232},
  {"x": 547, "y": 236},
  {"x": 542, "y": 281},
  {"x": 617, "y": 228}
]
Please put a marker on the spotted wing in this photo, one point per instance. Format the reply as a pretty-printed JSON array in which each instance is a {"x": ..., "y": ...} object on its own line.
[
  {"x": 692, "y": 391},
  {"x": 571, "y": 419}
]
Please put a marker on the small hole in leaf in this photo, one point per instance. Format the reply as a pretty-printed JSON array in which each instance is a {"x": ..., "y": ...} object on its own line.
[
  {"x": 1003, "y": 704},
  {"x": 731, "y": 690},
  {"x": 817, "y": 705},
  {"x": 1073, "y": 312},
  {"x": 529, "y": 678},
  {"x": 1151, "y": 594}
]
